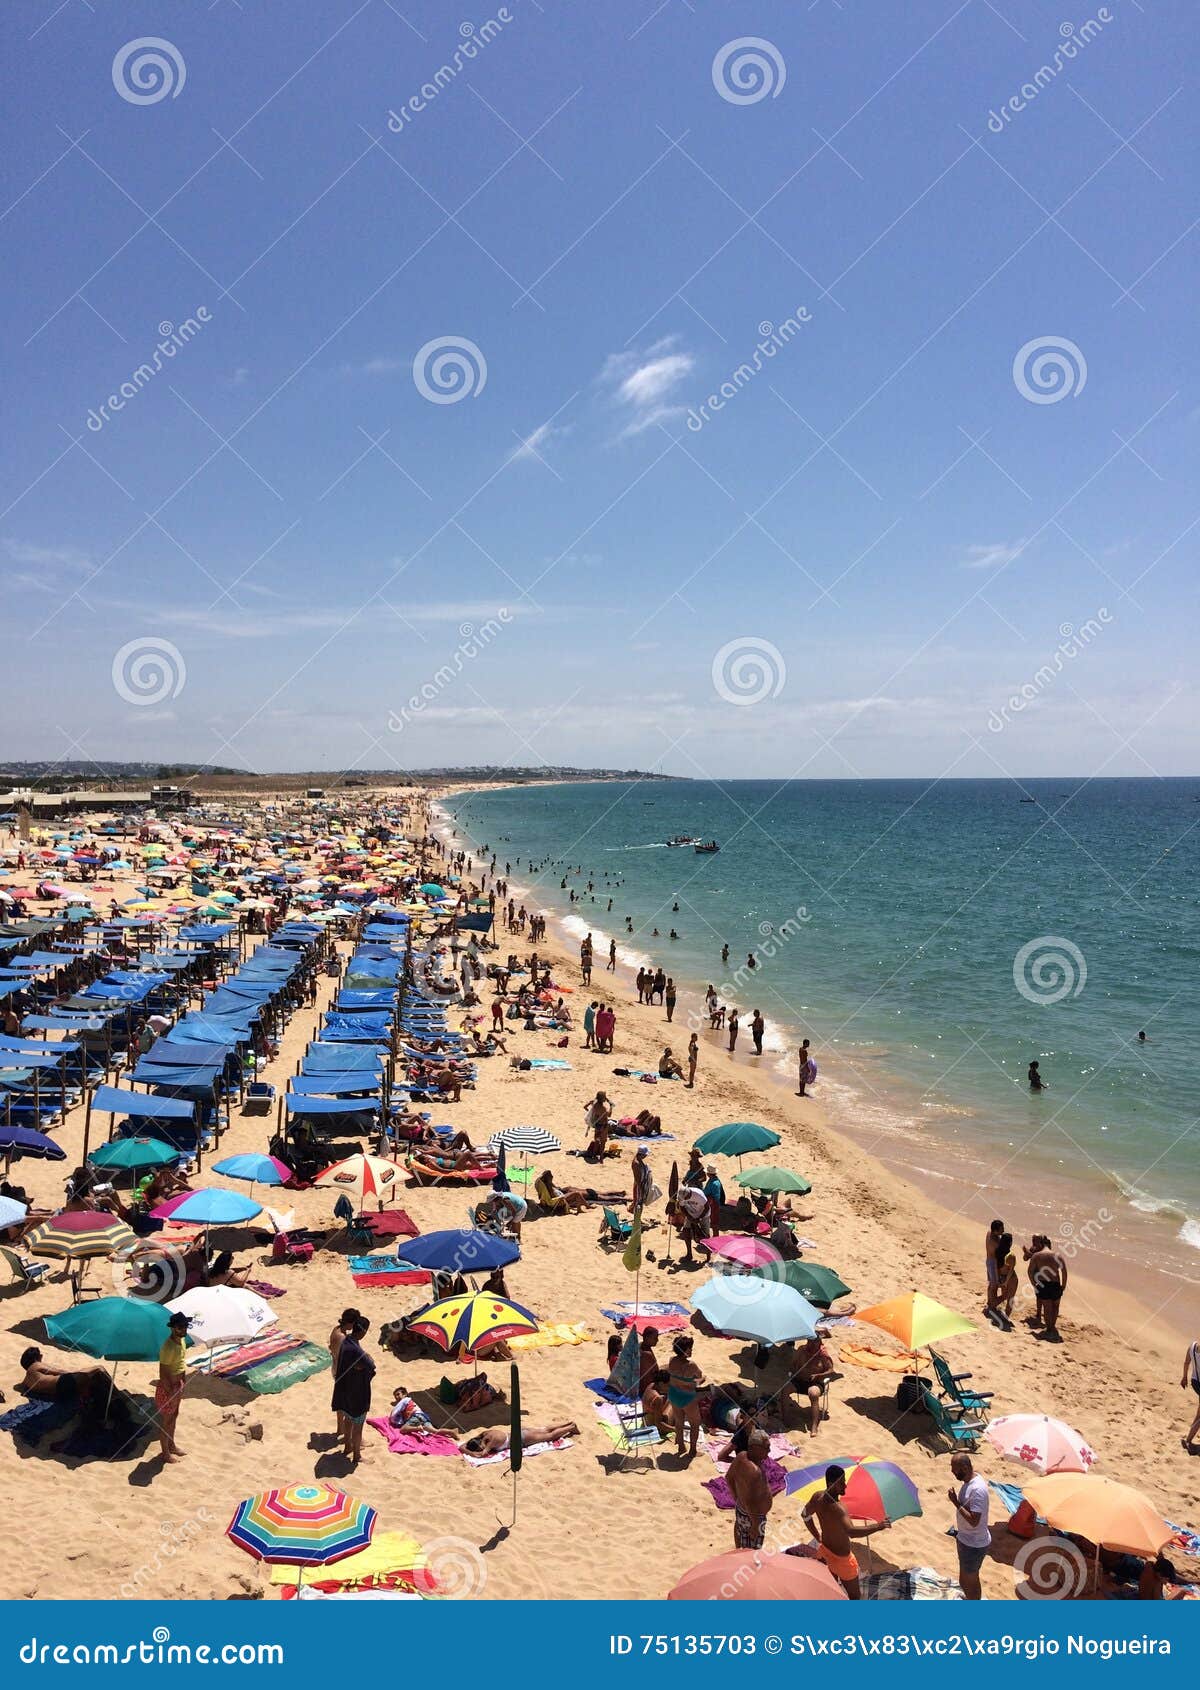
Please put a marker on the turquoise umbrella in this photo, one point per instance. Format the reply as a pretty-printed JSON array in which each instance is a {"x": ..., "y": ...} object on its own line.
[
  {"x": 214, "y": 1206},
  {"x": 133, "y": 1153},
  {"x": 744, "y": 1306},
  {"x": 433, "y": 891},
  {"x": 112, "y": 1328},
  {"x": 736, "y": 1138}
]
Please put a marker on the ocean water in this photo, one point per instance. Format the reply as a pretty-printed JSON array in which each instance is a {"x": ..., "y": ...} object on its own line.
[{"x": 930, "y": 939}]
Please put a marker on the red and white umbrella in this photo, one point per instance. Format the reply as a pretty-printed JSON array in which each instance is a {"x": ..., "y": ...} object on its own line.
[
  {"x": 1040, "y": 1443},
  {"x": 362, "y": 1177}
]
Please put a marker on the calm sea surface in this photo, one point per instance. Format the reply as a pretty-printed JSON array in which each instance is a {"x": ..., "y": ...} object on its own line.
[{"x": 887, "y": 920}]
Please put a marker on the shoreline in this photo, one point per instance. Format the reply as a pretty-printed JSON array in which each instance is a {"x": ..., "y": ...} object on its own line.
[{"x": 1155, "y": 1295}]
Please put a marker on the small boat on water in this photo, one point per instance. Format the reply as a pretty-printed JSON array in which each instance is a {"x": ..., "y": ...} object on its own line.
[
  {"x": 683, "y": 839},
  {"x": 706, "y": 850}
]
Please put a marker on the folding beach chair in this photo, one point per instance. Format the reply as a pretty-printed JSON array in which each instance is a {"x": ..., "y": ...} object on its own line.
[
  {"x": 24, "y": 1272},
  {"x": 950, "y": 1389},
  {"x": 613, "y": 1230},
  {"x": 964, "y": 1433},
  {"x": 637, "y": 1436}
]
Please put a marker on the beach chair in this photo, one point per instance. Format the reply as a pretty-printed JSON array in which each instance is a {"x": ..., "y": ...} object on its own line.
[
  {"x": 951, "y": 1391},
  {"x": 637, "y": 1435},
  {"x": 22, "y": 1271},
  {"x": 260, "y": 1094},
  {"x": 961, "y": 1433},
  {"x": 613, "y": 1230},
  {"x": 357, "y": 1231}
]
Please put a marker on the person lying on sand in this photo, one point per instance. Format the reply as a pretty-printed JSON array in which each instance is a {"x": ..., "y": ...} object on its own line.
[
  {"x": 494, "y": 1440},
  {"x": 85, "y": 1389}
]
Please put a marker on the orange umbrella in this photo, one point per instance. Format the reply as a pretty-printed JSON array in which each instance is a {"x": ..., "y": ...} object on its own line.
[
  {"x": 1109, "y": 1514},
  {"x": 755, "y": 1575},
  {"x": 915, "y": 1319}
]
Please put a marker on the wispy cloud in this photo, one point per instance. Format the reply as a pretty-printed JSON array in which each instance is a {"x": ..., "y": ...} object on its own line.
[
  {"x": 534, "y": 445},
  {"x": 993, "y": 556},
  {"x": 642, "y": 383},
  {"x": 377, "y": 367}
]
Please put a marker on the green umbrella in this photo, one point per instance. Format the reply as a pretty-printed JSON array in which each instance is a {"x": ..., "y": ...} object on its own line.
[
  {"x": 736, "y": 1138},
  {"x": 112, "y": 1328},
  {"x": 819, "y": 1284},
  {"x": 133, "y": 1153},
  {"x": 774, "y": 1179},
  {"x": 432, "y": 890}
]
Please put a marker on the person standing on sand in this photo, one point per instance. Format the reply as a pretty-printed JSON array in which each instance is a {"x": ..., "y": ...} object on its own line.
[
  {"x": 992, "y": 1267},
  {"x": 693, "y": 1057},
  {"x": 1048, "y": 1276},
  {"x": 589, "y": 1027},
  {"x": 733, "y": 1028},
  {"x": 970, "y": 1502},
  {"x": 640, "y": 982},
  {"x": 669, "y": 998},
  {"x": 340, "y": 1332},
  {"x": 352, "y": 1388},
  {"x": 828, "y": 1522},
  {"x": 757, "y": 1026},
  {"x": 1191, "y": 1376},
  {"x": 172, "y": 1379},
  {"x": 751, "y": 1494}
]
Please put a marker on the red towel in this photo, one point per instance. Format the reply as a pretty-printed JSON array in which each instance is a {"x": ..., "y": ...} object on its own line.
[
  {"x": 391, "y": 1223},
  {"x": 374, "y": 1281}
]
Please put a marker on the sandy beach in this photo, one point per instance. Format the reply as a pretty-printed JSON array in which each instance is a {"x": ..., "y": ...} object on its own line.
[{"x": 583, "y": 1528}]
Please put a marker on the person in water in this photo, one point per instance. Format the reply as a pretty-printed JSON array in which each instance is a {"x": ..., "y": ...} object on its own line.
[{"x": 1036, "y": 1082}]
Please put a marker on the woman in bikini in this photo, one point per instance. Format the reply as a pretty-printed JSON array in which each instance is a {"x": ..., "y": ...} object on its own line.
[{"x": 684, "y": 1382}]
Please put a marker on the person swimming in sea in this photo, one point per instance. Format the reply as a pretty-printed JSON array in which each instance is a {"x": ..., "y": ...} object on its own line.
[{"x": 1036, "y": 1083}]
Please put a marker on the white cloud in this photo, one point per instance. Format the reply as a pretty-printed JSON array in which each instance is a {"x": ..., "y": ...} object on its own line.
[
  {"x": 533, "y": 445},
  {"x": 641, "y": 383},
  {"x": 995, "y": 556}
]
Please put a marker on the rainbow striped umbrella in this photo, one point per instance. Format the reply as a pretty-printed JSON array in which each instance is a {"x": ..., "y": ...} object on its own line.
[
  {"x": 875, "y": 1490},
  {"x": 306, "y": 1525},
  {"x": 472, "y": 1321}
]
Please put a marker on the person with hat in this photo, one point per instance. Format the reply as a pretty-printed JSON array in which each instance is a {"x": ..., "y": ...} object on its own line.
[{"x": 172, "y": 1377}]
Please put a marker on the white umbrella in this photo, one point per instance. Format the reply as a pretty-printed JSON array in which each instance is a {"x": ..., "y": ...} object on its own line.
[
  {"x": 528, "y": 1139},
  {"x": 223, "y": 1314}
]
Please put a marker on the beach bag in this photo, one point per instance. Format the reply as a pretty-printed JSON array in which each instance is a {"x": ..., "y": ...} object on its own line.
[
  {"x": 1024, "y": 1522},
  {"x": 525, "y": 1063}
]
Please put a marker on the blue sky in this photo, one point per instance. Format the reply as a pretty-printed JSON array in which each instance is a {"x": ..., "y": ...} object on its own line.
[{"x": 279, "y": 552}]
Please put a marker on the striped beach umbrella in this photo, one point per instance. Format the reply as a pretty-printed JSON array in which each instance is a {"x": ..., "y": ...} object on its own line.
[
  {"x": 306, "y": 1525},
  {"x": 80, "y": 1235},
  {"x": 532, "y": 1141},
  {"x": 472, "y": 1321},
  {"x": 875, "y": 1490},
  {"x": 362, "y": 1176}
]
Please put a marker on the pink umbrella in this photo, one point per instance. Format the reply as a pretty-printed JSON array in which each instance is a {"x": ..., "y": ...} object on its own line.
[
  {"x": 1038, "y": 1442},
  {"x": 168, "y": 1206},
  {"x": 749, "y": 1252}
]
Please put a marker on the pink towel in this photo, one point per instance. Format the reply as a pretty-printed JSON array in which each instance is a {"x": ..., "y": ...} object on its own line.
[
  {"x": 772, "y": 1472},
  {"x": 408, "y": 1443}
]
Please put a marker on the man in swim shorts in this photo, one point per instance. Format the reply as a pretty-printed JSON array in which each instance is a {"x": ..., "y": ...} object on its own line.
[
  {"x": 1048, "y": 1276},
  {"x": 829, "y": 1523},
  {"x": 750, "y": 1491}
]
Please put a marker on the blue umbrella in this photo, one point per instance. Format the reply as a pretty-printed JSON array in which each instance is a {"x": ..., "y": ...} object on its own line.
[
  {"x": 30, "y": 1143},
  {"x": 259, "y": 1170},
  {"x": 465, "y": 1251},
  {"x": 214, "y": 1206},
  {"x": 745, "y": 1306}
]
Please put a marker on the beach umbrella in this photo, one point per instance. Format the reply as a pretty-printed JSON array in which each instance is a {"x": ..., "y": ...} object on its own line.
[
  {"x": 775, "y": 1179},
  {"x": 819, "y": 1284},
  {"x": 24, "y": 1141},
  {"x": 80, "y": 1234},
  {"x": 11, "y": 1212},
  {"x": 755, "y": 1575},
  {"x": 464, "y": 1250},
  {"x": 747, "y": 1307},
  {"x": 111, "y": 1328},
  {"x": 258, "y": 1169},
  {"x": 875, "y": 1490},
  {"x": 214, "y": 1206},
  {"x": 133, "y": 1153},
  {"x": 432, "y": 890},
  {"x": 306, "y": 1525},
  {"x": 473, "y": 1321},
  {"x": 1108, "y": 1514},
  {"x": 223, "y": 1314},
  {"x": 747, "y": 1252},
  {"x": 916, "y": 1320},
  {"x": 530, "y": 1140},
  {"x": 362, "y": 1176},
  {"x": 736, "y": 1138},
  {"x": 1037, "y": 1441}
]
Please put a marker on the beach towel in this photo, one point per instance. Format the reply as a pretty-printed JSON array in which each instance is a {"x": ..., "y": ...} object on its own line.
[
  {"x": 547, "y": 1062},
  {"x": 387, "y": 1552},
  {"x": 642, "y": 1138},
  {"x": 502, "y": 1455},
  {"x": 384, "y": 1281},
  {"x": 412, "y": 1443},
  {"x": 833, "y": 1319},
  {"x": 550, "y": 1335},
  {"x": 391, "y": 1223},
  {"x": 32, "y": 1420},
  {"x": 884, "y": 1361},
  {"x": 639, "y": 1322},
  {"x": 368, "y": 1265},
  {"x": 599, "y": 1388},
  {"x": 721, "y": 1494},
  {"x": 276, "y": 1374},
  {"x": 779, "y": 1449},
  {"x": 263, "y": 1288},
  {"x": 916, "y": 1584},
  {"x": 1186, "y": 1539},
  {"x": 1011, "y": 1496},
  {"x": 645, "y": 1307},
  {"x": 227, "y": 1360}
]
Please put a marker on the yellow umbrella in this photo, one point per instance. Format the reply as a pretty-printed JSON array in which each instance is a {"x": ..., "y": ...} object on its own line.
[
  {"x": 477, "y": 1319},
  {"x": 1107, "y": 1513},
  {"x": 915, "y": 1319}
]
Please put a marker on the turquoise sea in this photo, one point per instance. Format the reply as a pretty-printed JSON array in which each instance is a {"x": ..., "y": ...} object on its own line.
[{"x": 930, "y": 939}]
